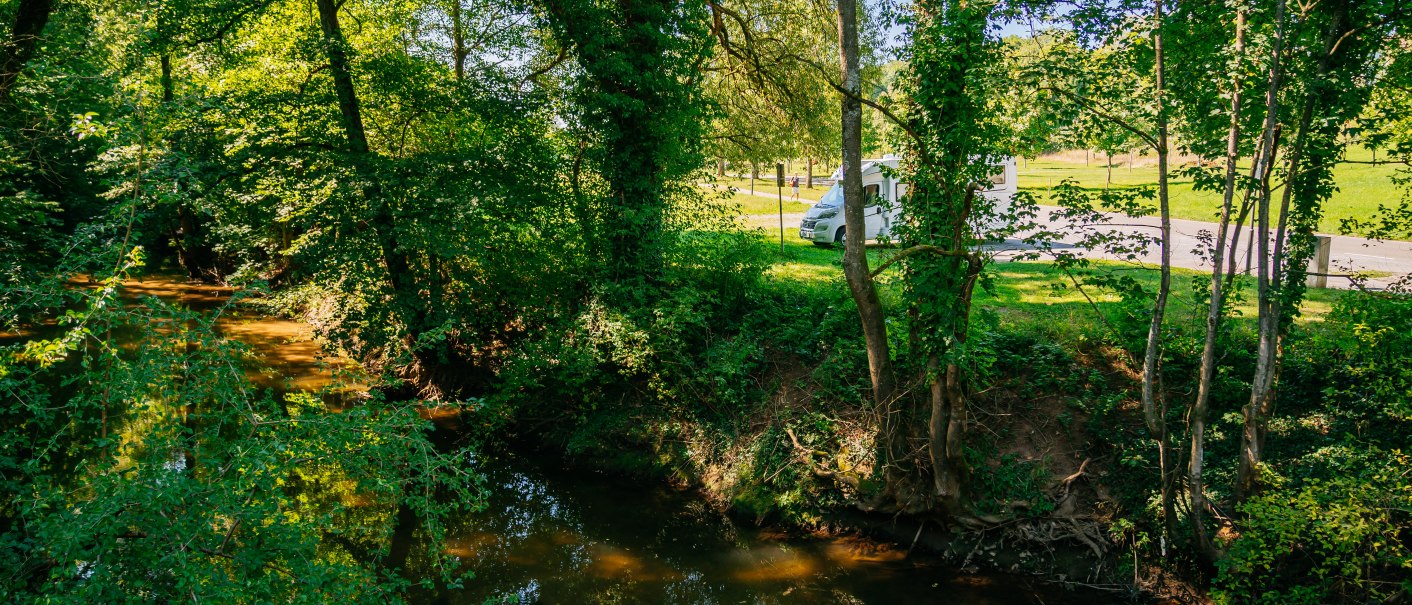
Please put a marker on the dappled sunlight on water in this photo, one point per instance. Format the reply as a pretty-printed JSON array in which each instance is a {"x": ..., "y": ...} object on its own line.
[
  {"x": 285, "y": 353},
  {"x": 851, "y": 552},
  {"x": 551, "y": 534},
  {"x": 774, "y": 563},
  {"x": 288, "y": 355},
  {"x": 287, "y": 347},
  {"x": 173, "y": 289},
  {"x": 615, "y": 563}
]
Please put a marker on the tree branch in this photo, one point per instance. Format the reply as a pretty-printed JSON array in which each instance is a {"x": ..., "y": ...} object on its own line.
[
  {"x": 557, "y": 61},
  {"x": 1093, "y": 107},
  {"x": 972, "y": 258}
]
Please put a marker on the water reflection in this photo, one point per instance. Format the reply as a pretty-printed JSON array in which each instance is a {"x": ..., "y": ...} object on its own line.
[{"x": 553, "y": 535}]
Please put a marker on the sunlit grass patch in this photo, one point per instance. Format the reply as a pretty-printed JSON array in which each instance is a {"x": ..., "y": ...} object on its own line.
[
  {"x": 752, "y": 205},
  {"x": 767, "y": 186},
  {"x": 1361, "y": 187}
]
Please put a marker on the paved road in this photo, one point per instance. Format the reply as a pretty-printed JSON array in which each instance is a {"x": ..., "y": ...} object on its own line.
[{"x": 1388, "y": 260}]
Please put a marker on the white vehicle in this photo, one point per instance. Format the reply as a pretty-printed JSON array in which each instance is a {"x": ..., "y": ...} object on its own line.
[{"x": 823, "y": 224}]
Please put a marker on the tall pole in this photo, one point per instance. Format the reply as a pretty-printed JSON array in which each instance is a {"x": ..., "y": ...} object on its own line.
[{"x": 779, "y": 189}]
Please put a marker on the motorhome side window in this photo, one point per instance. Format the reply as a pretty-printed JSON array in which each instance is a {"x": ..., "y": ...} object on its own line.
[
  {"x": 997, "y": 179},
  {"x": 871, "y": 191}
]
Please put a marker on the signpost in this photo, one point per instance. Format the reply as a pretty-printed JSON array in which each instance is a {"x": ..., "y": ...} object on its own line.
[
  {"x": 1318, "y": 272},
  {"x": 779, "y": 188}
]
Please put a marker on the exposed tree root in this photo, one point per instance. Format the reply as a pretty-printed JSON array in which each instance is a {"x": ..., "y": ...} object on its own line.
[{"x": 806, "y": 456}]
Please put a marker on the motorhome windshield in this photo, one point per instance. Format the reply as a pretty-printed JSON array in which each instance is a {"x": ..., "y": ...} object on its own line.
[{"x": 833, "y": 197}]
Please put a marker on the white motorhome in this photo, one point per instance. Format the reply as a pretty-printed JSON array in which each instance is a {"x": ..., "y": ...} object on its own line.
[{"x": 823, "y": 224}]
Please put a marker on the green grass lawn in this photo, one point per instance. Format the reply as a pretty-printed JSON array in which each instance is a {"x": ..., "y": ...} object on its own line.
[
  {"x": 755, "y": 205},
  {"x": 1033, "y": 296},
  {"x": 767, "y": 186},
  {"x": 1361, "y": 187}
]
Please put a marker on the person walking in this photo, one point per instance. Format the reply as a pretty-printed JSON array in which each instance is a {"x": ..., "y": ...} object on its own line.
[{"x": 794, "y": 184}]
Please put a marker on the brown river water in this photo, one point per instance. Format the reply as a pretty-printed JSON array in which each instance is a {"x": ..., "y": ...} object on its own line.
[{"x": 554, "y": 534}]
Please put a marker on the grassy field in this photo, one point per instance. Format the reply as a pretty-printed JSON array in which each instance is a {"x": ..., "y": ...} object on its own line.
[
  {"x": 767, "y": 186},
  {"x": 1034, "y": 294},
  {"x": 1031, "y": 295},
  {"x": 1361, "y": 186},
  {"x": 755, "y": 205}
]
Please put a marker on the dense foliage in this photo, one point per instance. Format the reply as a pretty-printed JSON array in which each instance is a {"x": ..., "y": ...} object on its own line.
[{"x": 494, "y": 210}]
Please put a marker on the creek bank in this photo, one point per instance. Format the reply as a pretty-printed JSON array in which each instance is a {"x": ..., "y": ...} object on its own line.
[
  {"x": 1042, "y": 551},
  {"x": 647, "y": 537},
  {"x": 1011, "y": 548}
]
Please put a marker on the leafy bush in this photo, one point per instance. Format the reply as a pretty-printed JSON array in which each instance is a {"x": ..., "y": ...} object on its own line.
[
  {"x": 139, "y": 464},
  {"x": 1338, "y": 540}
]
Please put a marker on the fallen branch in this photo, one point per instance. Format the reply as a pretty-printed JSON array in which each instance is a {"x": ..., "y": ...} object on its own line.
[
  {"x": 1074, "y": 477},
  {"x": 806, "y": 456}
]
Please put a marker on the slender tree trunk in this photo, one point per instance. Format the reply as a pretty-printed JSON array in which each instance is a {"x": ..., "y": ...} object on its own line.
[
  {"x": 167, "y": 88},
  {"x": 1214, "y": 310},
  {"x": 1263, "y": 382},
  {"x": 335, "y": 47},
  {"x": 855, "y": 258},
  {"x": 809, "y": 181},
  {"x": 458, "y": 41},
  {"x": 1275, "y": 304},
  {"x": 946, "y": 431},
  {"x": 721, "y": 167},
  {"x": 1153, "y": 402},
  {"x": 1108, "y": 183},
  {"x": 1233, "y": 256},
  {"x": 398, "y": 264},
  {"x": 30, "y": 18}
]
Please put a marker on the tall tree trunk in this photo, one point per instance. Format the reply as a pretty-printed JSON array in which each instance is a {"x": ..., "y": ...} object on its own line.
[
  {"x": 167, "y": 88},
  {"x": 1278, "y": 300},
  {"x": 1263, "y": 382},
  {"x": 1154, "y": 405},
  {"x": 30, "y": 18},
  {"x": 405, "y": 293},
  {"x": 1200, "y": 409},
  {"x": 398, "y": 264},
  {"x": 458, "y": 40},
  {"x": 944, "y": 170},
  {"x": 1108, "y": 183},
  {"x": 809, "y": 180},
  {"x": 855, "y": 258},
  {"x": 335, "y": 48},
  {"x": 622, "y": 49}
]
